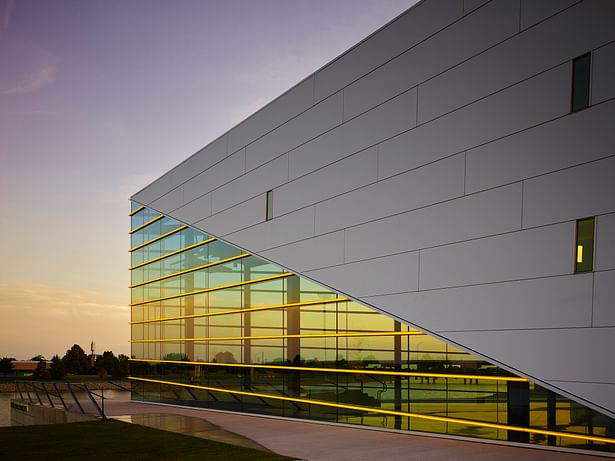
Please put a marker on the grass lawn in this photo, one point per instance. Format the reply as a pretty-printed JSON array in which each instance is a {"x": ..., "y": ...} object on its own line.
[{"x": 116, "y": 440}]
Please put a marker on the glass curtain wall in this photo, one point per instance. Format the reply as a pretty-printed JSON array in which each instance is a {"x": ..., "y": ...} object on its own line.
[{"x": 215, "y": 327}]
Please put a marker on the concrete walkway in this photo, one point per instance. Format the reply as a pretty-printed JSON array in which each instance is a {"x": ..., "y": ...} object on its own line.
[
  {"x": 190, "y": 425},
  {"x": 319, "y": 442}
]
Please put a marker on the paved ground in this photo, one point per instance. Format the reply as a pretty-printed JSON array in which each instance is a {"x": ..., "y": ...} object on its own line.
[
  {"x": 318, "y": 442},
  {"x": 191, "y": 425}
]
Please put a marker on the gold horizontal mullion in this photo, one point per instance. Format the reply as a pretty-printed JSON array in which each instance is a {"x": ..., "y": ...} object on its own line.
[
  {"x": 136, "y": 211},
  {"x": 205, "y": 266},
  {"x": 410, "y": 374},
  {"x": 248, "y": 309},
  {"x": 172, "y": 253},
  {"x": 320, "y": 335},
  {"x": 207, "y": 290},
  {"x": 146, "y": 224},
  {"x": 468, "y": 422},
  {"x": 157, "y": 238}
]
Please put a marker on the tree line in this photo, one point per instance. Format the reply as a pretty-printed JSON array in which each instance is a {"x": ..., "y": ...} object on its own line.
[{"x": 75, "y": 362}]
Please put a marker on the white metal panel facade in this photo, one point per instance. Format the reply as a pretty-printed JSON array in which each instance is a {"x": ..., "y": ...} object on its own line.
[{"x": 435, "y": 173}]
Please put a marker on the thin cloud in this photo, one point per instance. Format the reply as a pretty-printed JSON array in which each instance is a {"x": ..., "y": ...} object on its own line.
[
  {"x": 38, "y": 79},
  {"x": 41, "y": 298},
  {"x": 37, "y": 318},
  {"x": 8, "y": 14}
]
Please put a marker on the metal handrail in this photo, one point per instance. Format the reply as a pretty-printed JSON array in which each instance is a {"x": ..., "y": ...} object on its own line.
[{"x": 41, "y": 386}]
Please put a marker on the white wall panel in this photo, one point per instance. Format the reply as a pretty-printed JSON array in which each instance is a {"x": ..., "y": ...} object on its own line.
[
  {"x": 337, "y": 178},
  {"x": 471, "y": 5},
  {"x": 296, "y": 131},
  {"x": 203, "y": 159},
  {"x": 278, "y": 111},
  {"x": 154, "y": 190},
  {"x": 194, "y": 211},
  {"x": 215, "y": 176},
  {"x": 574, "y": 193},
  {"x": 240, "y": 216},
  {"x": 473, "y": 34},
  {"x": 372, "y": 127},
  {"x": 603, "y": 73},
  {"x": 407, "y": 30},
  {"x": 534, "y": 50},
  {"x": 536, "y": 252},
  {"x": 291, "y": 227},
  {"x": 567, "y": 141},
  {"x": 432, "y": 183},
  {"x": 604, "y": 299},
  {"x": 528, "y": 103},
  {"x": 250, "y": 238},
  {"x": 286, "y": 229},
  {"x": 605, "y": 242},
  {"x": 567, "y": 354},
  {"x": 260, "y": 180},
  {"x": 552, "y": 302},
  {"x": 365, "y": 278},
  {"x": 315, "y": 253},
  {"x": 487, "y": 213},
  {"x": 169, "y": 201},
  {"x": 533, "y": 11},
  {"x": 600, "y": 394},
  {"x": 342, "y": 192}
]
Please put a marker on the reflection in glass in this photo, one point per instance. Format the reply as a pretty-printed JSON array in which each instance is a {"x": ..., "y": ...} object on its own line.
[
  {"x": 224, "y": 328},
  {"x": 585, "y": 245}
]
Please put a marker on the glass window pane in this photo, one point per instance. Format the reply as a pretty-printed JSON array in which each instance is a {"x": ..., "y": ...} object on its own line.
[
  {"x": 581, "y": 82},
  {"x": 585, "y": 245}
]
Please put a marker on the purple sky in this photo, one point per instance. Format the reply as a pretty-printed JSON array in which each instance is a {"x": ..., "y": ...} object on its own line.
[{"x": 97, "y": 99}]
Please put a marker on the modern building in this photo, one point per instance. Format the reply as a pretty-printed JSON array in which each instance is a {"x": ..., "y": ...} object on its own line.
[
  {"x": 27, "y": 367},
  {"x": 419, "y": 236}
]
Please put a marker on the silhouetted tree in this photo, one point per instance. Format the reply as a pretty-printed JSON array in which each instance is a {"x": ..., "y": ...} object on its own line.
[
  {"x": 57, "y": 370},
  {"x": 225, "y": 357},
  {"x": 37, "y": 358},
  {"x": 107, "y": 361},
  {"x": 141, "y": 368},
  {"x": 176, "y": 356},
  {"x": 122, "y": 367},
  {"x": 41, "y": 371},
  {"x": 76, "y": 361},
  {"x": 6, "y": 365}
]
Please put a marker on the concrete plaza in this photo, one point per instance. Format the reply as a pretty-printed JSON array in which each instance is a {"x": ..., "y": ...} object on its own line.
[{"x": 322, "y": 442}]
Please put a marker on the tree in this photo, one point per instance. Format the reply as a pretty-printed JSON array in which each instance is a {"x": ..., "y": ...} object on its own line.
[
  {"x": 6, "y": 365},
  {"x": 108, "y": 361},
  {"x": 75, "y": 360},
  {"x": 37, "y": 358},
  {"x": 41, "y": 371},
  {"x": 122, "y": 368},
  {"x": 225, "y": 357},
  {"x": 57, "y": 369},
  {"x": 176, "y": 356}
]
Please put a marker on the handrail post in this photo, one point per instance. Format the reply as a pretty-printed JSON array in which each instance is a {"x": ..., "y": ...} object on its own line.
[
  {"x": 74, "y": 397},
  {"x": 25, "y": 388},
  {"x": 60, "y": 395},
  {"x": 93, "y": 401},
  {"x": 19, "y": 390},
  {"x": 36, "y": 393},
  {"x": 47, "y": 394}
]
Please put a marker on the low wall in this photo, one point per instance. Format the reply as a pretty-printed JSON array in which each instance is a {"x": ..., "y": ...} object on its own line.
[{"x": 28, "y": 414}]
